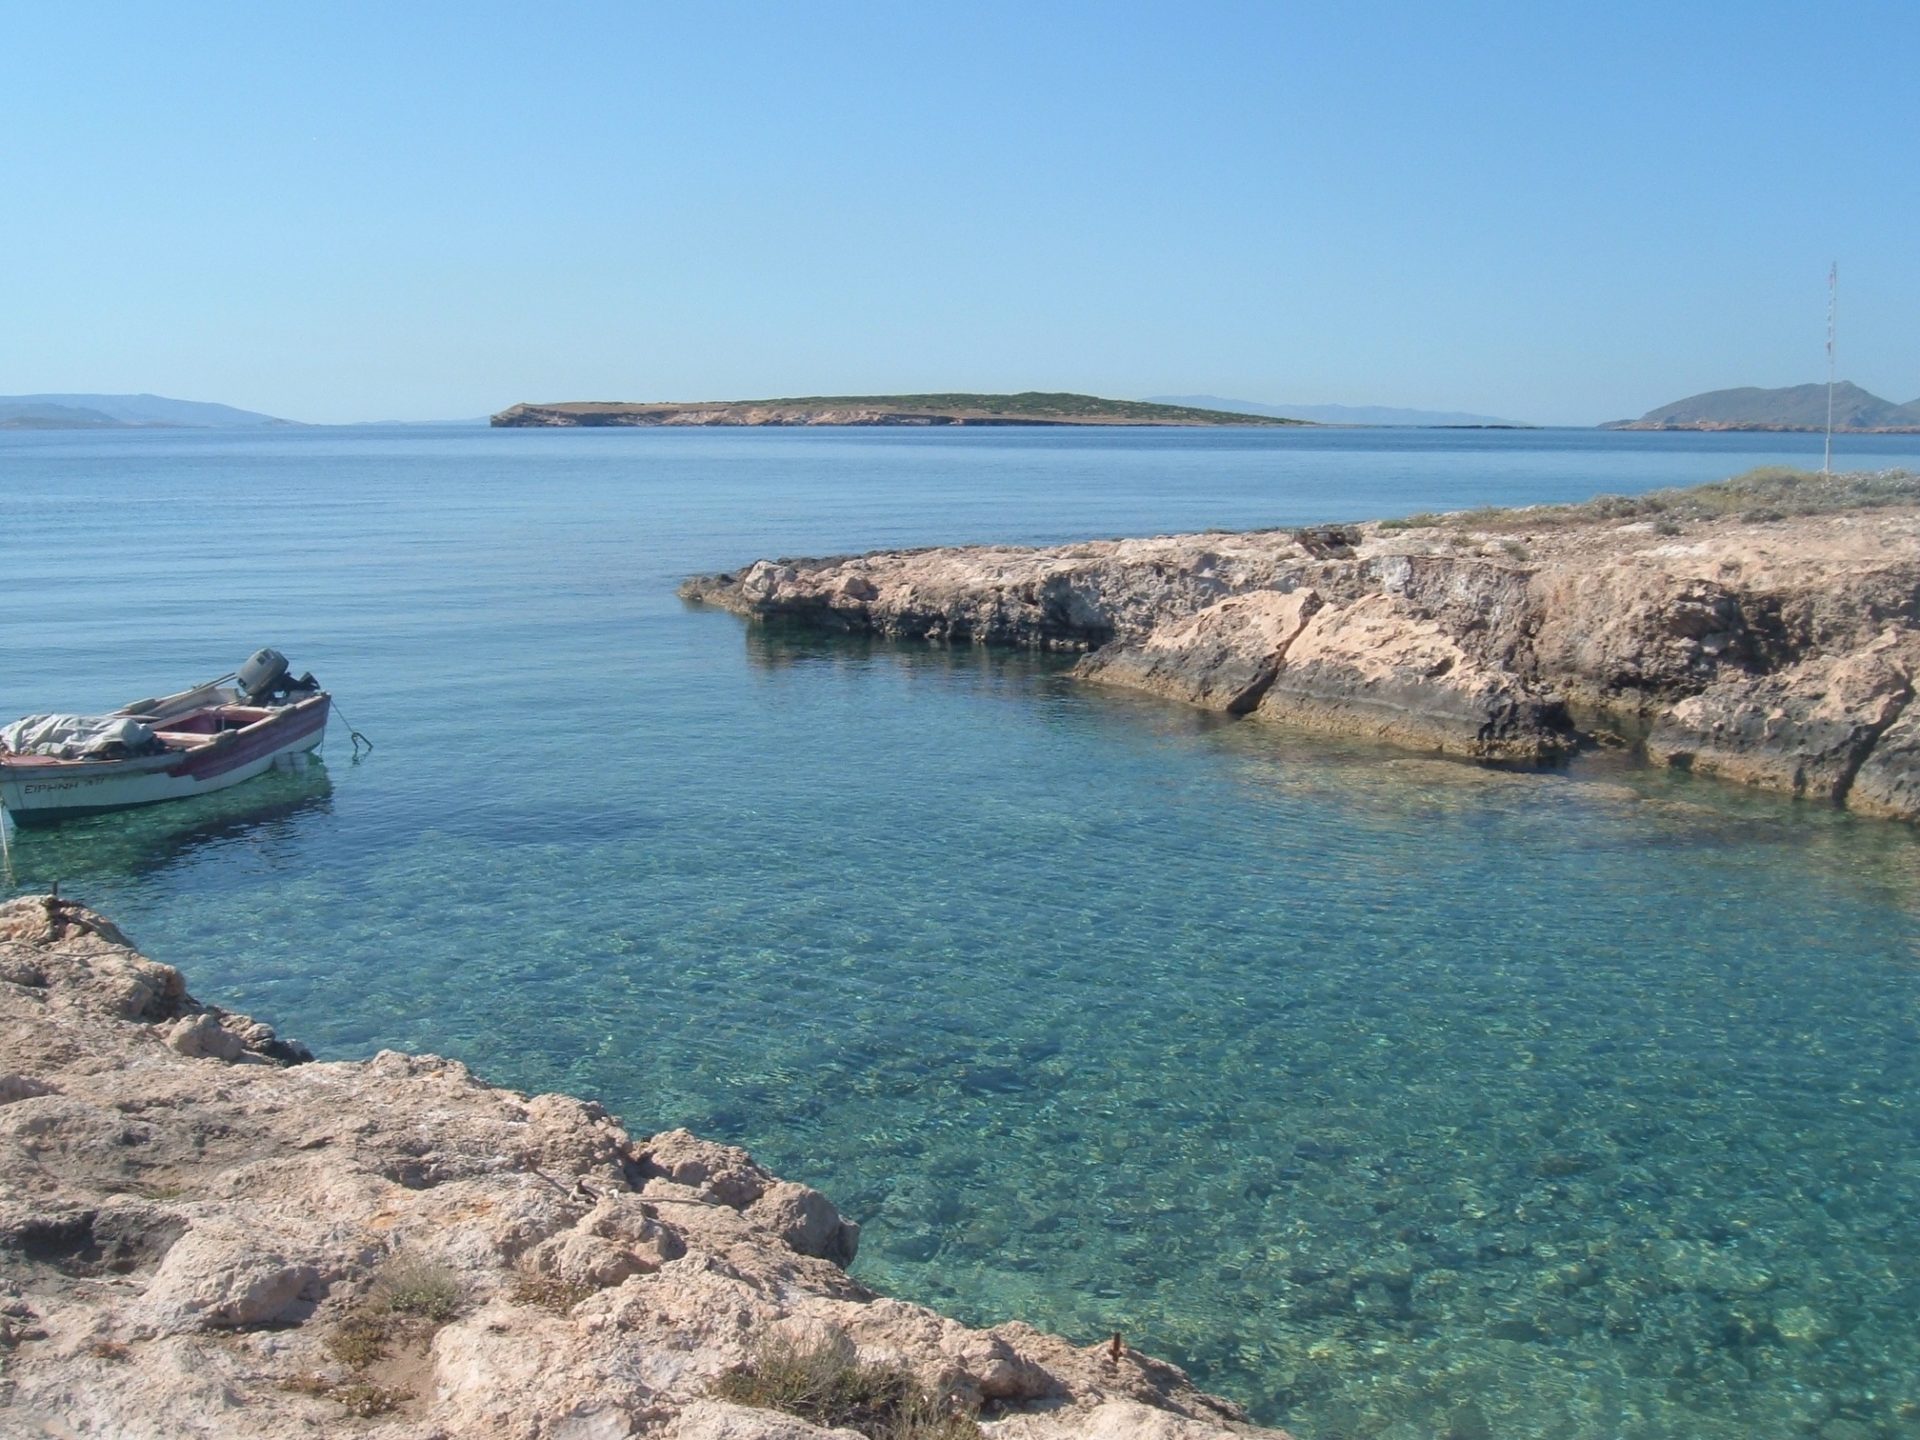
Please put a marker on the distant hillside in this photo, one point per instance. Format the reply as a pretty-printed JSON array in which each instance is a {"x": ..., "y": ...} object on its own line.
[
  {"x": 1030, "y": 407},
  {"x": 122, "y": 412},
  {"x": 29, "y": 415},
  {"x": 1794, "y": 407},
  {"x": 1336, "y": 414}
]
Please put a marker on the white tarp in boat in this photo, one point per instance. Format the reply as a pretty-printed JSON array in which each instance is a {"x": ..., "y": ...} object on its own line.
[{"x": 76, "y": 737}]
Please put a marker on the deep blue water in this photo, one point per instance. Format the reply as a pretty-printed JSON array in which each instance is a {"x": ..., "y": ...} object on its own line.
[{"x": 1394, "y": 1097}]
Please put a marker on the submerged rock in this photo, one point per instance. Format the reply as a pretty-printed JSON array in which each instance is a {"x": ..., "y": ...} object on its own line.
[
  {"x": 203, "y": 1236},
  {"x": 1778, "y": 652}
]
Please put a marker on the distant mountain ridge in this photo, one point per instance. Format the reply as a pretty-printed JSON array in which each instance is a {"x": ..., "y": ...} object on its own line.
[
  {"x": 1791, "y": 407},
  {"x": 124, "y": 412},
  {"x": 1334, "y": 414}
]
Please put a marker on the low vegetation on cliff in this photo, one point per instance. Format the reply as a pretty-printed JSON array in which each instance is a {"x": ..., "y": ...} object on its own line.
[{"x": 1772, "y": 492}]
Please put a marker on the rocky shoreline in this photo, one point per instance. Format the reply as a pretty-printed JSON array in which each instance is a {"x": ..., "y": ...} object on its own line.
[
  {"x": 1766, "y": 629},
  {"x": 204, "y": 1232}
]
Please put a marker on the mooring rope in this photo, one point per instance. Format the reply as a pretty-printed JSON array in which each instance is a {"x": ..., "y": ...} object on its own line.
[{"x": 357, "y": 738}]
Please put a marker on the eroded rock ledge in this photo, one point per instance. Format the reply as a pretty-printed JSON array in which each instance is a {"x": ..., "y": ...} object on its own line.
[
  {"x": 204, "y": 1233},
  {"x": 1776, "y": 651}
]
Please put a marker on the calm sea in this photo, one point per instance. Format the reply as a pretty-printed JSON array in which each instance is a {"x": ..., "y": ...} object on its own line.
[{"x": 1393, "y": 1097}]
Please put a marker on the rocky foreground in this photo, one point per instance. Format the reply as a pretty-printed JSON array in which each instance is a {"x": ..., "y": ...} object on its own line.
[
  {"x": 203, "y": 1233},
  {"x": 1766, "y": 629}
]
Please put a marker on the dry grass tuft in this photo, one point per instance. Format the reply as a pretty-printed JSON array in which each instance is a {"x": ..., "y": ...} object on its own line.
[
  {"x": 358, "y": 1341},
  {"x": 414, "y": 1285},
  {"x": 358, "y": 1398},
  {"x": 826, "y": 1383},
  {"x": 367, "y": 1401},
  {"x": 545, "y": 1293}
]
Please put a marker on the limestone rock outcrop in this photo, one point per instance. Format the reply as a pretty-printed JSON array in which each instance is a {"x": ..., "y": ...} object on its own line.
[
  {"x": 1388, "y": 669},
  {"x": 1776, "y": 651},
  {"x": 1224, "y": 657},
  {"x": 220, "y": 1238}
]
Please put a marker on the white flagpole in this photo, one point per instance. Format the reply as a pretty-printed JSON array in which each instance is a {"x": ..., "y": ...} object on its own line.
[{"x": 1833, "y": 292}]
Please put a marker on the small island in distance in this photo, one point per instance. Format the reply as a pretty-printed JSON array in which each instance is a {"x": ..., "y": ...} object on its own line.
[
  {"x": 1791, "y": 407},
  {"x": 1029, "y": 407}
]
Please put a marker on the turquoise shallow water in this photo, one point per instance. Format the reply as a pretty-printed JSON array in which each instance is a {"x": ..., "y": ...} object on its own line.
[{"x": 1394, "y": 1097}]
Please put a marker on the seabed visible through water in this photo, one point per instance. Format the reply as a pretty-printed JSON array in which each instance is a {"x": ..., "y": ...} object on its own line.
[{"x": 1393, "y": 1097}]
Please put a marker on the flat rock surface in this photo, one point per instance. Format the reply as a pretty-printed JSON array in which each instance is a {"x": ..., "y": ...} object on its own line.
[
  {"x": 207, "y": 1234},
  {"x": 1776, "y": 651}
]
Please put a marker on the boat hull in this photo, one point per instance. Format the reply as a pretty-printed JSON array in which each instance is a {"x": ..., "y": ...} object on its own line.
[{"x": 39, "y": 794}]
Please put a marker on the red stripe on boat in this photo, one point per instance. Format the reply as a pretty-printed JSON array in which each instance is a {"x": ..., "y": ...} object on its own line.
[{"x": 276, "y": 734}]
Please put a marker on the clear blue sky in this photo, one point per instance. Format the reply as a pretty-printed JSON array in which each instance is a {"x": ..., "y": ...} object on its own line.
[{"x": 1552, "y": 212}]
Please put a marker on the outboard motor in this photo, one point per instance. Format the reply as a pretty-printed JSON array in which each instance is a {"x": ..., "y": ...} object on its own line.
[
  {"x": 263, "y": 680},
  {"x": 260, "y": 675}
]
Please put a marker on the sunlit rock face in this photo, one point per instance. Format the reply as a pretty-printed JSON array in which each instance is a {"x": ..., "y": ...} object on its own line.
[{"x": 1777, "y": 652}]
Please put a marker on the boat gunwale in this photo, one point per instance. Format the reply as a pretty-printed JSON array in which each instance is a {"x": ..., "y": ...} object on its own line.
[{"x": 24, "y": 766}]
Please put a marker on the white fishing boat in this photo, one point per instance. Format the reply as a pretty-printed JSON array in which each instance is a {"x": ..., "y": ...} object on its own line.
[{"x": 54, "y": 767}]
